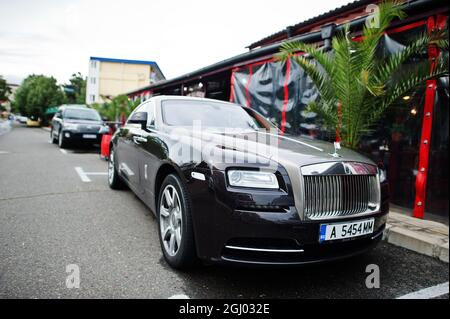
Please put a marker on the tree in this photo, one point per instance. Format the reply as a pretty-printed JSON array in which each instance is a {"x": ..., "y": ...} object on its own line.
[
  {"x": 120, "y": 104},
  {"x": 356, "y": 83},
  {"x": 75, "y": 91},
  {"x": 36, "y": 94},
  {"x": 5, "y": 90}
]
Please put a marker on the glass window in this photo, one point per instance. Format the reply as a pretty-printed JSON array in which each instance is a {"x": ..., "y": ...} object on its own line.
[
  {"x": 436, "y": 202},
  {"x": 81, "y": 114},
  {"x": 395, "y": 141},
  {"x": 395, "y": 144},
  {"x": 210, "y": 114}
]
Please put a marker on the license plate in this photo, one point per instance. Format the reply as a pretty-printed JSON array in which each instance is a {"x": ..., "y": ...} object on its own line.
[
  {"x": 346, "y": 230},
  {"x": 89, "y": 136}
]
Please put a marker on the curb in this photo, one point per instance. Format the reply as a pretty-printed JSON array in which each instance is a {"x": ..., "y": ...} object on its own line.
[{"x": 422, "y": 236}]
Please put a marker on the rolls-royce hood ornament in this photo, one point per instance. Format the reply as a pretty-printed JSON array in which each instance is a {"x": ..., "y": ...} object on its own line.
[{"x": 337, "y": 146}]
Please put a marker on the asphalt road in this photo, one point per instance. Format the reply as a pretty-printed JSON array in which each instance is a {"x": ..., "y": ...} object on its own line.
[{"x": 50, "y": 218}]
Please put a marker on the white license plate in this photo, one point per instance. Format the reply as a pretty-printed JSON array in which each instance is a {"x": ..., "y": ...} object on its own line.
[
  {"x": 89, "y": 136},
  {"x": 346, "y": 230}
]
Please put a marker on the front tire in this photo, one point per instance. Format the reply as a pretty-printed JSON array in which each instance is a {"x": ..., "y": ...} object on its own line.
[
  {"x": 176, "y": 233},
  {"x": 62, "y": 142},
  {"x": 52, "y": 137},
  {"x": 114, "y": 180}
]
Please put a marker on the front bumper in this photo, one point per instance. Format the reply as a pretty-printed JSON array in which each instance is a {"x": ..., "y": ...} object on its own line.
[
  {"x": 80, "y": 137},
  {"x": 264, "y": 227}
]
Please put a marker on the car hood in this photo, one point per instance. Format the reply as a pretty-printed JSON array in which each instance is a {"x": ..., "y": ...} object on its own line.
[
  {"x": 297, "y": 151},
  {"x": 290, "y": 152},
  {"x": 86, "y": 122}
]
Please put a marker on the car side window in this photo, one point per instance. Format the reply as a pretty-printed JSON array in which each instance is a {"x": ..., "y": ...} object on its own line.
[
  {"x": 149, "y": 107},
  {"x": 58, "y": 114}
]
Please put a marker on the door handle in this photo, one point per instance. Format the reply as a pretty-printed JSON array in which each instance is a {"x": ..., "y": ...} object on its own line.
[{"x": 139, "y": 139}]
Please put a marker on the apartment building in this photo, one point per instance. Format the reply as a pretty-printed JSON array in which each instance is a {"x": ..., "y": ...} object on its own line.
[{"x": 108, "y": 77}]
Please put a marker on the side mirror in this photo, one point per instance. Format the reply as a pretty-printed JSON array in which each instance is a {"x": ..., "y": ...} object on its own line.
[{"x": 139, "y": 118}]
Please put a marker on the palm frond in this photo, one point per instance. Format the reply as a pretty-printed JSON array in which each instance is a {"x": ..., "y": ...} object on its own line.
[
  {"x": 291, "y": 48},
  {"x": 326, "y": 110},
  {"x": 371, "y": 35},
  {"x": 395, "y": 61},
  {"x": 320, "y": 79},
  {"x": 406, "y": 81}
]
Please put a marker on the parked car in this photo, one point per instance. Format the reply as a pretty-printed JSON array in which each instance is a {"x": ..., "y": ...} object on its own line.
[
  {"x": 281, "y": 200},
  {"x": 77, "y": 123},
  {"x": 33, "y": 121},
  {"x": 22, "y": 119}
]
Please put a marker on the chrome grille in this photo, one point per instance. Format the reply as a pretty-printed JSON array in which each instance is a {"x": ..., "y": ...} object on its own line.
[
  {"x": 328, "y": 196},
  {"x": 88, "y": 128}
]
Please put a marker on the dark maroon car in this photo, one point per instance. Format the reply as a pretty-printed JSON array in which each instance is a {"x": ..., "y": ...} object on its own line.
[{"x": 227, "y": 186}]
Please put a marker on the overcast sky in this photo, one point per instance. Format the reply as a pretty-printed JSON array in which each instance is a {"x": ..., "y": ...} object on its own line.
[{"x": 57, "y": 37}]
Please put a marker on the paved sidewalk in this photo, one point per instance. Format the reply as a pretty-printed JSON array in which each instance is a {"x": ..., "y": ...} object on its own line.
[{"x": 422, "y": 236}]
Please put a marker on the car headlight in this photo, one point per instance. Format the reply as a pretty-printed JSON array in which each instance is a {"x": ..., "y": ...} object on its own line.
[
  {"x": 71, "y": 127},
  {"x": 104, "y": 129},
  {"x": 382, "y": 175},
  {"x": 253, "y": 179}
]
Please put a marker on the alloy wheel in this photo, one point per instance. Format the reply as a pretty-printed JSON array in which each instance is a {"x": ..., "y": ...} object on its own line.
[
  {"x": 170, "y": 222},
  {"x": 60, "y": 139},
  {"x": 111, "y": 168}
]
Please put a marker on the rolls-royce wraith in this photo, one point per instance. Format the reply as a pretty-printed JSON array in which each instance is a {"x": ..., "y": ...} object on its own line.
[{"x": 227, "y": 186}]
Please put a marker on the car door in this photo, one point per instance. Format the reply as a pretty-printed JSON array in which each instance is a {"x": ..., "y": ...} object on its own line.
[
  {"x": 56, "y": 122},
  {"x": 127, "y": 153},
  {"x": 151, "y": 151}
]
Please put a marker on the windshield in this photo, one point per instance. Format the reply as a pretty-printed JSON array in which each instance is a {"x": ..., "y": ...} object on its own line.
[
  {"x": 211, "y": 114},
  {"x": 82, "y": 114}
]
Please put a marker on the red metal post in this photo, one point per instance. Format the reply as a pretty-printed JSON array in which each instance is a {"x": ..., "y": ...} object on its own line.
[
  {"x": 247, "y": 86},
  {"x": 286, "y": 95},
  {"x": 232, "y": 84},
  {"x": 427, "y": 125}
]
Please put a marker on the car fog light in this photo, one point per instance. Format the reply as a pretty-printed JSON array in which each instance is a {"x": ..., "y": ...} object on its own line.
[{"x": 67, "y": 134}]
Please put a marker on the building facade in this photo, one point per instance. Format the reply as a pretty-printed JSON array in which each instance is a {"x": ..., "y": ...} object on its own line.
[
  {"x": 108, "y": 77},
  {"x": 8, "y": 103},
  {"x": 411, "y": 140}
]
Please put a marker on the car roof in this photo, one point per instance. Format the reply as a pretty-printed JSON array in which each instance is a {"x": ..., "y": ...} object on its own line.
[
  {"x": 189, "y": 98},
  {"x": 73, "y": 106}
]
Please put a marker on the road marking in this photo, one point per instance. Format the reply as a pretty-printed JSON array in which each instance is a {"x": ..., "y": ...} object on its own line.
[
  {"x": 181, "y": 296},
  {"x": 4, "y": 152},
  {"x": 84, "y": 176},
  {"x": 63, "y": 151},
  {"x": 428, "y": 293}
]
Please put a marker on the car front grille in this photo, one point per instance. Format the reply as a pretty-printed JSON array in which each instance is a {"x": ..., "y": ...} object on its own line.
[
  {"x": 89, "y": 128},
  {"x": 330, "y": 196}
]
